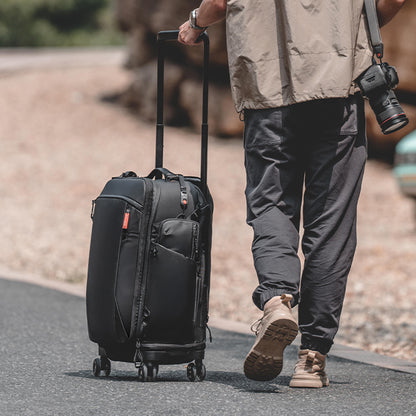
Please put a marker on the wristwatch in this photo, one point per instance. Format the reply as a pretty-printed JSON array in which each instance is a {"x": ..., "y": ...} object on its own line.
[{"x": 192, "y": 20}]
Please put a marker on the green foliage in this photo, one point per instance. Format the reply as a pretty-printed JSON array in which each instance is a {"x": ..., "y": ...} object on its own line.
[{"x": 56, "y": 23}]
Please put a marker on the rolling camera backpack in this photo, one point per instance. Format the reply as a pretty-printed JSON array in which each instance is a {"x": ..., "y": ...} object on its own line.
[{"x": 149, "y": 263}]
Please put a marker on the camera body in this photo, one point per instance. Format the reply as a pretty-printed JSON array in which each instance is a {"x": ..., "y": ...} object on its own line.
[{"x": 376, "y": 84}]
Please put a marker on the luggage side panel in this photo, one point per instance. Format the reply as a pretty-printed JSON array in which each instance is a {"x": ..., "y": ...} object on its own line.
[
  {"x": 113, "y": 262},
  {"x": 104, "y": 321}
]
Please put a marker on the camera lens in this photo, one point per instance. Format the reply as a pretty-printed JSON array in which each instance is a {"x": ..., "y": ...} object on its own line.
[
  {"x": 394, "y": 124},
  {"x": 388, "y": 111}
]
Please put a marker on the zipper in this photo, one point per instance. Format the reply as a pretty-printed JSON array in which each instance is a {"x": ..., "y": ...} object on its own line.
[
  {"x": 145, "y": 245},
  {"x": 197, "y": 296},
  {"x": 195, "y": 242},
  {"x": 153, "y": 248},
  {"x": 199, "y": 292},
  {"x": 130, "y": 201}
]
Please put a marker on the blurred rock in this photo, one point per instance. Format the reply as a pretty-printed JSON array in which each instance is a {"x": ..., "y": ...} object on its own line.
[
  {"x": 142, "y": 20},
  {"x": 400, "y": 47},
  {"x": 222, "y": 118},
  {"x": 141, "y": 95},
  {"x": 141, "y": 48},
  {"x": 126, "y": 13}
]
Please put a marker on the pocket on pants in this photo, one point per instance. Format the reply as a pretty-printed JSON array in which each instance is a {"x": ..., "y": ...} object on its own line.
[{"x": 338, "y": 116}]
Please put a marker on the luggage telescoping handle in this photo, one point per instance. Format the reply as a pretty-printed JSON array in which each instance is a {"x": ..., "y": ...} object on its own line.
[{"x": 171, "y": 35}]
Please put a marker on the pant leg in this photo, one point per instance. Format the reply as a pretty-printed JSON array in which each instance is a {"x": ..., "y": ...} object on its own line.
[
  {"x": 274, "y": 193},
  {"x": 334, "y": 172}
]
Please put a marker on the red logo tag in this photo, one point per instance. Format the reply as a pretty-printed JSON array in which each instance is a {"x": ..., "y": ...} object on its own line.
[{"x": 126, "y": 220}]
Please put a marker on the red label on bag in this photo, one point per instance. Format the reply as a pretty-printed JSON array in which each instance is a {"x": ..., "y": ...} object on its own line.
[{"x": 126, "y": 220}]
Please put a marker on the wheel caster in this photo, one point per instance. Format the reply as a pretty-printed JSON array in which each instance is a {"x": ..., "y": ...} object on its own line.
[
  {"x": 148, "y": 372},
  {"x": 101, "y": 364},
  {"x": 142, "y": 373},
  {"x": 96, "y": 367},
  {"x": 201, "y": 371},
  {"x": 106, "y": 366},
  {"x": 191, "y": 371},
  {"x": 152, "y": 370},
  {"x": 196, "y": 371}
]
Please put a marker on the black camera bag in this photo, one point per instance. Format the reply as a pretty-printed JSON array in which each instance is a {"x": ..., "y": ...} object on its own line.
[{"x": 149, "y": 264}]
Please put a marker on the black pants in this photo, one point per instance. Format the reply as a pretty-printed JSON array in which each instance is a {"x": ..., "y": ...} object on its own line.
[{"x": 316, "y": 150}]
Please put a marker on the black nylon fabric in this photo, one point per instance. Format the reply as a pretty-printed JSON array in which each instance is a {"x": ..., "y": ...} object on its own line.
[{"x": 152, "y": 266}]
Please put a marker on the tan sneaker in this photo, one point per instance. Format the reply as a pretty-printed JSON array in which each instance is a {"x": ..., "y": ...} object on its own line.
[
  {"x": 309, "y": 370},
  {"x": 277, "y": 329}
]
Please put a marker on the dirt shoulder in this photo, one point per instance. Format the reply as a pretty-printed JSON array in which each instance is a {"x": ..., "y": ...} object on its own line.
[{"x": 60, "y": 144}]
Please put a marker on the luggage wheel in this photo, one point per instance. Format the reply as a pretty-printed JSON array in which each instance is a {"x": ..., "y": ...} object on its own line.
[
  {"x": 101, "y": 364},
  {"x": 148, "y": 372},
  {"x": 196, "y": 371}
]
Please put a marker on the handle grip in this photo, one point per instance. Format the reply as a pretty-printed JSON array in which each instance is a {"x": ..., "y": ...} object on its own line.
[
  {"x": 166, "y": 35},
  {"x": 159, "y": 173},
  {"x": 169, "y": 35}
]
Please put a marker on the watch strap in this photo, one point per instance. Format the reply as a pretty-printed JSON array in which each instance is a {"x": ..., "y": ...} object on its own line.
[{"x": 192, "y": 20}]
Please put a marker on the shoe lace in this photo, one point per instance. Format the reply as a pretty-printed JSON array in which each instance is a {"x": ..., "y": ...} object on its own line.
[{"x": 255, "y": 326}]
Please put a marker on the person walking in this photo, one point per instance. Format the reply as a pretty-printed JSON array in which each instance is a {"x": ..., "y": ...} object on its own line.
[{"x": 292, "y": 69}]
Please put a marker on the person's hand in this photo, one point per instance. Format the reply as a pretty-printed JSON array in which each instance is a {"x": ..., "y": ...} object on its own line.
[{"x": 187, "y": 35}]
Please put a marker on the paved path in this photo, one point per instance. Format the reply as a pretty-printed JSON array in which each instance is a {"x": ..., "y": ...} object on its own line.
[
  {"x": 14, "y": 60},
  {"x": 46, "y": 361}
]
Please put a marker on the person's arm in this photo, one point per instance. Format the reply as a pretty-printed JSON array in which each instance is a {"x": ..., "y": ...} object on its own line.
[
  {"x": 208, "y": 13},
  {"x": 387, "y": 9}
]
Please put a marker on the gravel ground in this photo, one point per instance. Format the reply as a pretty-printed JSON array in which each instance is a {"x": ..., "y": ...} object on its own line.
[{"x": 59, "y": 144}]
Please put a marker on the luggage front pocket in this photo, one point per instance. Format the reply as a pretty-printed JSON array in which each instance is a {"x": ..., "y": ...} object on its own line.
[
  {"x": 179, "y": 235},
  {"x": 171, "y": 296}
]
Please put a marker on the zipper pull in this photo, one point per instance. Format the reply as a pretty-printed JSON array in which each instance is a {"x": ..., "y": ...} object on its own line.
[
  {"x": 126, "y": 219},
  {"x": 184, "y": 193}
]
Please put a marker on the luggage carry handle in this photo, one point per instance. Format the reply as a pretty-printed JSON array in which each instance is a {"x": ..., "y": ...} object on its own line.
[
  {"x": 159, "y": 173},
  {"x": 171, "y": 35}
]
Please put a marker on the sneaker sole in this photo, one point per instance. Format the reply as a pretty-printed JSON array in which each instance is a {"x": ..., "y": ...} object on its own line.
[
  {"x": 308, "y": 383},
  {"x": 265, "y": 360}
]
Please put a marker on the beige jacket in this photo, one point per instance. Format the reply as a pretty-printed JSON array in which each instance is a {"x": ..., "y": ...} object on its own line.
[{"x": 282, "y": 52}]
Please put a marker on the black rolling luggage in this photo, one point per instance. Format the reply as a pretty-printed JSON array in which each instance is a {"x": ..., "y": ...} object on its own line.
[{"x": 149, "y": 264}]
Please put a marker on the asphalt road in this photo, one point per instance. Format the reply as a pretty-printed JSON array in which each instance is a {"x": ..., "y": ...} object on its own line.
[{"x": 46, "y": 369}]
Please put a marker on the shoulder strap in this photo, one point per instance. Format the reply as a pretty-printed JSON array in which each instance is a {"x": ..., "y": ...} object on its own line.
[{"x": 374, "y": 27}]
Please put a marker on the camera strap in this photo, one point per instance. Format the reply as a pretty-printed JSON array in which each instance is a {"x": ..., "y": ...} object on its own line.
[{"x": 374, "y": 27}]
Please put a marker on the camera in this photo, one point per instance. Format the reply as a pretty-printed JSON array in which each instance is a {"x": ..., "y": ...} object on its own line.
[{"x": 376, "y": 84}]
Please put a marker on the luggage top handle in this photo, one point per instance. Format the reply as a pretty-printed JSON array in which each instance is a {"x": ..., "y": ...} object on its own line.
[{"x": 171, "y": 35}]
